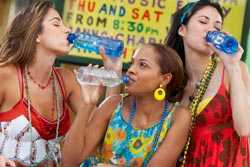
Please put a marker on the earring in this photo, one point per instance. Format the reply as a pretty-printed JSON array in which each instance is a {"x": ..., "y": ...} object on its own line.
[{"x": 159, "y": 94}]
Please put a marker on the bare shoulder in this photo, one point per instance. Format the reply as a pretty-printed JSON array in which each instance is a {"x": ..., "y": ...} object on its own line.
[
  {"x": 110, "y": 103},
  {"x": 66, "y": 73},
  {"x": 68, "y": 78},
  {"x": 8, "y": 78},
  {"x": 181, "y": 114},
  {"x": 7, "y": 72}
]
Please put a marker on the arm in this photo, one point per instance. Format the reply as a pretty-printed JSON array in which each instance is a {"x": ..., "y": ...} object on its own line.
[
  {"x": 239, "y": 86},
  {"x": 83, "y": 138},
  {"x": 4, "y": 76},
  {"x": 173, "y": 144},
  {"x": 114, "y": 64},
  {"x": 80, "y": 140}
]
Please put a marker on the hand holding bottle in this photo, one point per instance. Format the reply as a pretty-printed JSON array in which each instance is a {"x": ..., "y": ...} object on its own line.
[
  {"x": 91, "y": 93},
  {"x": 111, "y": 63},
  {"x": 229, "y": 50}
]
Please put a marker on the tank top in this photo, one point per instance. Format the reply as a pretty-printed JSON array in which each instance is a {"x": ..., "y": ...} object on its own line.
[{"x": 15, "y": 137}]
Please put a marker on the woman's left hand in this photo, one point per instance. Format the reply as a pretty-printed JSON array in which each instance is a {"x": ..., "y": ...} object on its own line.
[
  {"x": 227, "y": 59},
  {"x": 111, "y": 63}
]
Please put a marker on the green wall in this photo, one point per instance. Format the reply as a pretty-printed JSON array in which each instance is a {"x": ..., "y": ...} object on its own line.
[{"x": 248, "y": 51}]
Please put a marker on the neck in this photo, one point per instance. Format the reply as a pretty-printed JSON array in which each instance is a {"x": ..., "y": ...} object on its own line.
[
  {"x": 41, "y": 67},
  {"x": 148, "y": 107},
  {"x": 195, "y": 65}
]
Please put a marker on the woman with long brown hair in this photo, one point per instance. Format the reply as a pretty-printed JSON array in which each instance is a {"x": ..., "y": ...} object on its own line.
[{"x": 36, "y": 98}]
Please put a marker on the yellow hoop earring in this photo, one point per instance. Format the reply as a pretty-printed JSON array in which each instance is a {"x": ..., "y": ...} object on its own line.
[{"x": 159, "y": 94}]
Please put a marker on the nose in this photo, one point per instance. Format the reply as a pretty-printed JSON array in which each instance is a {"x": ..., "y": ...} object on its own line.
[
  {"x": 131, "y": 70},
  {"x": 211, "y": 27},
  {"x": 67, "y": 30}
]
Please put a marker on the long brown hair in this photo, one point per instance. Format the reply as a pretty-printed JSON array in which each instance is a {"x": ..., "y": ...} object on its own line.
[{"x": 18, "y": 45}]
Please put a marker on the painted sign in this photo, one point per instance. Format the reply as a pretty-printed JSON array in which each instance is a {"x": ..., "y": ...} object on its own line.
[{"x": 136, "y": 22}]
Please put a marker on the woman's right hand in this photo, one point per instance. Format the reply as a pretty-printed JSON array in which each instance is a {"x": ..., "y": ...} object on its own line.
[
  {"x": 91, "y": 93},
  {"x": 110, "y": 63},
  {"x": 4, "y": 162}
]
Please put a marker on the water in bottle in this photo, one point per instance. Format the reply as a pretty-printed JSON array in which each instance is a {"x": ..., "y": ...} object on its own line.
[
  {"x": 223, "y": 42},
  {"x": 113, "y": 48},
  {"x": 95, "y": 76}
]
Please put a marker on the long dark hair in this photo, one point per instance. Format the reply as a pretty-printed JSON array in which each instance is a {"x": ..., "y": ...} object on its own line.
[
  {"x": 182, "y": 16},
  {"x": 19, "y": 42}
]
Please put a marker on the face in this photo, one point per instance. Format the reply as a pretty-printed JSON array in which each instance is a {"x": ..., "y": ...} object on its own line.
[
  {"x": 144, "y": 72},
  {"x": 54, "y": 34},
  {"x": 204, "y": 20}
]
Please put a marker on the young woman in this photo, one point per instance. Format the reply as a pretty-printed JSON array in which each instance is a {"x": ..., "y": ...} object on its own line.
[
  {"x": 36, "y": 98},
  {"x": 136, "y": 130},
  {"x": 217, "y": 91}
]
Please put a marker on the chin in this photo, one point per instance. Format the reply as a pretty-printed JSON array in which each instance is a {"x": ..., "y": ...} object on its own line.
[{"x": 63, "y": 52}]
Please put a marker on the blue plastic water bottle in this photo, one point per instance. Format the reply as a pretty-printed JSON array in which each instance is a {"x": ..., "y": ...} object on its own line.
[
  {"x": 113, "y": 48},
  {"x": 223, "y": 42}
]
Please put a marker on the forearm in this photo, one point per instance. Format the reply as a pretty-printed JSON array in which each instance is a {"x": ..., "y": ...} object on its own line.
[
  {"x": 74, "y": 142},
  {"x": 240, "y": 100}
]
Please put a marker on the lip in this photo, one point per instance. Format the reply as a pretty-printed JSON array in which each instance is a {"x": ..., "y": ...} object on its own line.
[{"x": 131, "y": 80}]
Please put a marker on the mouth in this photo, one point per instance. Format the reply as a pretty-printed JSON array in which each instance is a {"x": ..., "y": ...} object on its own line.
[{"x": 131, "y": 80}]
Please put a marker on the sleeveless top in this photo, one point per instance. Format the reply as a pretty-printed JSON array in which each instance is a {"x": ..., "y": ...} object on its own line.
[
  {"x": 215, "y": 143},
  {"x": 15, "y": 135},
  {"x": 133, "y": 152}
]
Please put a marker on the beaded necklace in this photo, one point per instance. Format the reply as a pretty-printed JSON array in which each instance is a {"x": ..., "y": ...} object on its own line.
[
  {"x": 129, "y": 129},
  {"x": 199, "y": 93},
  {"x": 54, "y": 148},
  {"x": 38, "y": 84}
]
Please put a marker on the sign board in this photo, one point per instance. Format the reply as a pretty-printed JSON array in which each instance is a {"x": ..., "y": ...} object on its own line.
[{"x": 136, "y": 21}]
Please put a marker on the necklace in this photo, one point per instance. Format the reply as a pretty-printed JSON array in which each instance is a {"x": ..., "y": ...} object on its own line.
[
  {"x": 53, "y": 148},
  {"x": 129, "y": 129},
  {"x": 198, "y": 94},
  {"x": 38, "y": 84}
]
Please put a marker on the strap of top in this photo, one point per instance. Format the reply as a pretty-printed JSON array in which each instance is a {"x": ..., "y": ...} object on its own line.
[
  {"x": 60, "y": 81},
  {"x": 223, "y": 73},
  {"x": 20, "y": 80}
]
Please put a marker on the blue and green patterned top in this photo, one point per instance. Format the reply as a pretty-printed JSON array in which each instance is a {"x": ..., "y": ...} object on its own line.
[{"x": 116, "y": 150}]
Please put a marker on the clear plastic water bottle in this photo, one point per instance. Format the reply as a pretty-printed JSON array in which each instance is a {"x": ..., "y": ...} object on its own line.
[
  {"x": 223, "y": 42},
  {"x": 95, "y": 76},
  {"x": 113, "y": 48}
]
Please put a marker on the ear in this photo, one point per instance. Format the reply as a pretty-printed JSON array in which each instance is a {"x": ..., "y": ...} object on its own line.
[
  {"x": 38, "y": 39},
  {"x": 166, "y": 79},
  {"x": 182, "y": 30}
]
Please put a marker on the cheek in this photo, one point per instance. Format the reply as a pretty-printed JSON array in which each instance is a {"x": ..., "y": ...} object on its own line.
[{"x": 150, "y": 82}]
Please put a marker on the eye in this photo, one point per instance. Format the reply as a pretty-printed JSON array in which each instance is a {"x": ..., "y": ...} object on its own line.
[
  {"x": 203, "y": 22},
  {"x": 142, "y": 64},
  {"x": 56, "y": 24}
]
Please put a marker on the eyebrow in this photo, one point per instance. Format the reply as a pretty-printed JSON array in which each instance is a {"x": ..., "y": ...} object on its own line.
[
  {"x": 141, "y": 59},
  {"x": 217, "y": 21},
  {"x": 55, "y": 18}
]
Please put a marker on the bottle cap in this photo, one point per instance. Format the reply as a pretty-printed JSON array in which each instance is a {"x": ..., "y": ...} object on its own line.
[
  {"x": 125, "y": 79},
  {"x": 71, "y": 37}
]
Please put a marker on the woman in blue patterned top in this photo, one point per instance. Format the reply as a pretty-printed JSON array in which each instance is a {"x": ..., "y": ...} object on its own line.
[{"x": 145, "y": 128}]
